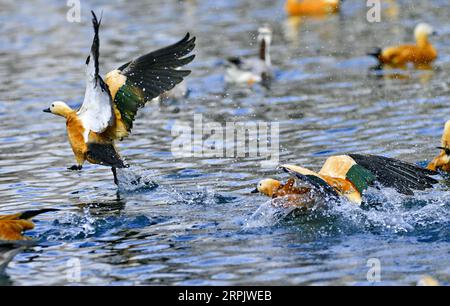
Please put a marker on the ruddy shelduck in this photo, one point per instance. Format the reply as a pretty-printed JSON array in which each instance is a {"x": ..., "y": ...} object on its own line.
[
  {"x": 421, "y": 54},
  {"x": 12, "y": 239},
  {"x": 12, "y": 227},
  {"x": 252, "y": 70},
  {"x": 442, "y": 161},
  {"x": 347, "y": 176},
  {"x": 311, "y": 7},
  {"x": 110, "y": 105}
]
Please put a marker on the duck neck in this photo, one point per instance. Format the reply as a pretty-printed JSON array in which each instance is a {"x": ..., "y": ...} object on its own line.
[
  {"x": 264, "y": 52},
  {"x": 422, "y": 41}
]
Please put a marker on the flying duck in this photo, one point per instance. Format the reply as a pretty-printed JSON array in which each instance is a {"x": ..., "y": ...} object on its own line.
[
  {"x": 252, "y": 70},
  {"x": 110, "y": 105},
  {"x": 347, "y": 176},
  {"x": 442, "y": 161},
  {"x": 311, "y": 7},
  {"x": 422, "y": 53}
]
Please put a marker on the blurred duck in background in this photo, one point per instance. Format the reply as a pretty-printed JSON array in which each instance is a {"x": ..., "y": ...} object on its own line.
[
  {"x": 422, "y": 54},
  {"x": 252, "y": 70},
  {"x": 345, "y": 176},
  {"x": 442, "y": 161},
  {"x": 311, "y": 7}
]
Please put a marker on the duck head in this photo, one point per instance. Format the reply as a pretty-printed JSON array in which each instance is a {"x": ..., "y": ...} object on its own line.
[
  {"x": 422, "y": 31},
  {"x": 267, "y": 187},
  {"x": 442, "y": 161},
  {"x": 59, "y": 108}
]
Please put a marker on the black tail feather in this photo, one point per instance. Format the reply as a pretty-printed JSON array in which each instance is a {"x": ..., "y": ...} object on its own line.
[
  {"x": 375, "y": 52},
  {"x": 105, "y": 154}
]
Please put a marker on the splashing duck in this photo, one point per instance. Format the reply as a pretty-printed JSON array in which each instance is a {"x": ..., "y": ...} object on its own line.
[
  {"x": 442, "y": 161},
  {"x": 252, "y": 70},
  {"x": 346, "y": 176},
  {"x": 311, "y": 7},
  {"x": 110, "y": 105},
  {"x": 421, "y": 54}
]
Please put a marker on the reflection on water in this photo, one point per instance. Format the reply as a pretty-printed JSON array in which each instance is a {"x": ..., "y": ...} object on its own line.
[{"x": 190, "y": 225}]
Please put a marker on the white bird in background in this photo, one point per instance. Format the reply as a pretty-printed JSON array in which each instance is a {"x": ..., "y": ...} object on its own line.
[{"x": 252, "y": 70}]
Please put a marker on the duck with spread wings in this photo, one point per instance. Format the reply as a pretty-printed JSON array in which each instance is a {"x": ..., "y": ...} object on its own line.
[{"x": 110, "y": 104}]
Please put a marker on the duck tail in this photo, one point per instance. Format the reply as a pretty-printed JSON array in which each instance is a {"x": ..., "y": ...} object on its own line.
[
  {"x": 27, "y": 215},
  {"x": 375, "y": 52}
]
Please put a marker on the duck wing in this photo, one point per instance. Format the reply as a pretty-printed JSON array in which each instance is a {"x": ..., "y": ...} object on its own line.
[
  {"x": 147, "y": 77},
  {"x": 312, "y": 179},
  {"x": 96, "y": 113},
  {"x": 402, "y": 176}
]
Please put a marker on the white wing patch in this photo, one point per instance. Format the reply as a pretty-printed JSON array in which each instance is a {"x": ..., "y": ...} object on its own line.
[{"x": 96, "y": 112}]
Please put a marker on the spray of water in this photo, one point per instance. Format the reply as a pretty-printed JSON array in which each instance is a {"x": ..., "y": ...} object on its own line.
[
  {"x": 384, "y": 211},
  {"x": 134, "y": 179}
]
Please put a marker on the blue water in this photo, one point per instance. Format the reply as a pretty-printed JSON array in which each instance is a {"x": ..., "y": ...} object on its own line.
[{"x": 193, "y": 221}]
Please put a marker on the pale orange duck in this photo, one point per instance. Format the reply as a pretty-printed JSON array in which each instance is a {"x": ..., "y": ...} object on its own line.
[
  {"x": 420, "y": 54},
  {"x": 311, "y": 7},
  {"x": 345, "y": 176},
  {"x": 12, "y": 239},
  {"x": 13, "y": 226},
  {"x": 110, "y": 105},
  {"x": 442, "y": 161}
]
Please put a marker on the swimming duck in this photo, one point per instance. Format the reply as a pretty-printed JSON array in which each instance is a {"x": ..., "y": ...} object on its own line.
[
  {"x": 421, "y": 54},
  {"x": 13, "y": 226},
  {"x": 442, "y": 161},
  {"x": 348, "y": 176},
  {"x": 12, "y": 240},
  {"x": 252, "y": 70},
  {"x": 311, "y": 7},
  {"x": 110, "y": 105}
]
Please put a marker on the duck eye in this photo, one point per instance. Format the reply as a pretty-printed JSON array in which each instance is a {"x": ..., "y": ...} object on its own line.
[{"x": 53, "y": 105}]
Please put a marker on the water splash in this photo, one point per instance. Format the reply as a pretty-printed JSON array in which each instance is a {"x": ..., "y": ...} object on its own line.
[
  {"x": 427, "y": 215},
  {"x": 135, "y": 179},
  {"x": 78, "y": 227}
]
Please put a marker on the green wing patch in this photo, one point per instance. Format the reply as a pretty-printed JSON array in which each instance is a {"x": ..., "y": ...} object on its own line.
[
  {"x": 360, "y": 177},
  {"x": 129, "y": 99}
]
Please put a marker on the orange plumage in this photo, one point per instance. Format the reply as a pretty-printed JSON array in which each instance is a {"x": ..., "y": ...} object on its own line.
[
  {"x": 13, "y": 226},
  {"x": 311, "y": 7},
  {"x": 420, "y": 54}
]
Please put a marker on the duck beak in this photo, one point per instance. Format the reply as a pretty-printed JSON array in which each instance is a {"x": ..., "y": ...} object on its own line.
[
  {"x": 47, "y": 110},
  {"x": 255, "y": 190}
]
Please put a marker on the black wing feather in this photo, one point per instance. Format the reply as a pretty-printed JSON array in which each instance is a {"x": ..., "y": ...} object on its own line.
[
  {"x": 315, "y": 182},
  {"x": 151, "y": 75},
  {"x": 402, "y": 176}
]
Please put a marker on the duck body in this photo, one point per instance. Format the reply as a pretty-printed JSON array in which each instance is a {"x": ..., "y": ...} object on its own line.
[
  {"x": 311, "y": 7},
  {"x": 252, "y": 70},
  {"x": 349, "y": 176},
  {"x": 13, "y": 226},
  {"x": 12, "y": 239},
  {"x": 110, "y": 105},
  {"x": 404, "y": 54},
  {"x": 421, "y": 53}
]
